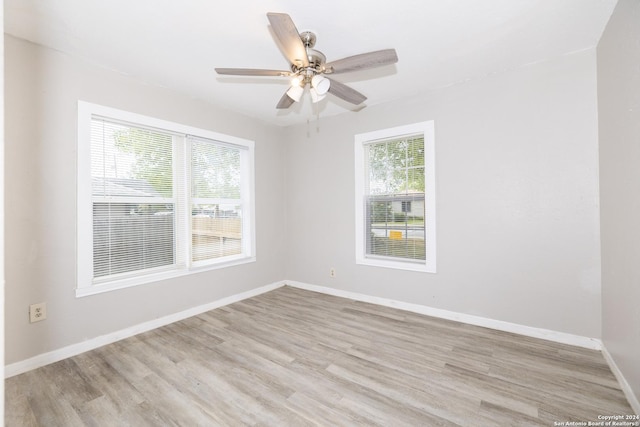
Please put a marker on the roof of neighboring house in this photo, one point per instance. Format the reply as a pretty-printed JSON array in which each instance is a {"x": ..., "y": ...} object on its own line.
[{"x": 128, "y": 187}]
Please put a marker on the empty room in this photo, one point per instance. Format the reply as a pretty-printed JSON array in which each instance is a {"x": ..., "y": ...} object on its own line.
[{"x": 418, "y": 213}]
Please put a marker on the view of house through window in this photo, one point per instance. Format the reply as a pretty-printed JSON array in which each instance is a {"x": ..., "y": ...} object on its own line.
[
  {"x": 160, "y": 201},
  {"x": 395, "y": 198},
  {"x": 133, "y": 198}
]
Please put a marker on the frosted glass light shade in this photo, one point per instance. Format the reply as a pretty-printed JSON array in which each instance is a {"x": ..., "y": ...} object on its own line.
[
  {"x": 295, "y": 93},
  {"x": 297, "y": 81},
  {"x": 320, "y": 84}
]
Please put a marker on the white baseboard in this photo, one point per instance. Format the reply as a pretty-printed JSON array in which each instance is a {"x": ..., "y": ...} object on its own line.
[
  {"x": 624, "y": 385},
  {"x": 93, "y": 343},
  {"x": 545, "y": 334}
]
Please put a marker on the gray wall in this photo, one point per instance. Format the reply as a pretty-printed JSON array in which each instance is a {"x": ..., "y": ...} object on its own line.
[
  {"x": 42, "y": 90},
  {"x": 619, "y": 129},
  {"x": 517, "y": 188},
  {"x": 2, "y": 262},
  {"x": 517, "y": 198}
]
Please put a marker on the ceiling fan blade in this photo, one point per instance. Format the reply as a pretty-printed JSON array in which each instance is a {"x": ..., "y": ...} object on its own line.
[
  {"x": 285, "y": 102},
  {"x": 289, "y": 39},
  {"x": 345, "y": 92},
  {"x": 251, "y": 72},
  {"x": 363, "y": 61}
]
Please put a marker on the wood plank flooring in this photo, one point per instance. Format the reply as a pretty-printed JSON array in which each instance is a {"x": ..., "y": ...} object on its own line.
[{"x": 295, "y": 358}]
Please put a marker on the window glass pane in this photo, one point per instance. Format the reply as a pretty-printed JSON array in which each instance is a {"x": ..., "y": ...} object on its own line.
[
  {"x": 415, "y": 180},
  {"x": 216, "y": 231},
  {"x": 397, "y": 154},
  {"x": 390, "y": 166},
  {"x": 381, "y": 212},
  {"x": 395, "y": 198},
  {"x": 129, "y": 161},
  {"x": 415, "y": 214},
  {"x": 385, "y": 174},
  {"x": 129, "y": 237},
  {"x": 415, "y": 152},
  {"x": 396, "y": 228},
  {"x": 136, "y": 164},
  {"x": 215, "y": 170},
  {"x": 377, "y": 153}
]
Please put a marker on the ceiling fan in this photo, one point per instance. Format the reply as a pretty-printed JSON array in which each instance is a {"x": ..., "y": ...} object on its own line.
[{"x": 309, "y": 67}]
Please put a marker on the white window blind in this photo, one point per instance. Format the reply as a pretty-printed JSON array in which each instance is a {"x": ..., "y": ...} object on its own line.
[
  {"x": 133, "y": 203},
  {"x": 395, "y": 198},
  {"x": 394, "y": 181},
  {"x": 158, "y": 199}
]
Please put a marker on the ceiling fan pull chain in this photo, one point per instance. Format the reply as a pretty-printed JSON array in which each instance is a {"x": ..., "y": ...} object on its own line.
[{"x": 317, "y": 118}]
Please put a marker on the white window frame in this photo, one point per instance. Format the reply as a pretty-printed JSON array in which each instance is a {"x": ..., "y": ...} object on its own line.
[
  {"x": 85, "y": 282},
  {"x": 361, "y": 140}
]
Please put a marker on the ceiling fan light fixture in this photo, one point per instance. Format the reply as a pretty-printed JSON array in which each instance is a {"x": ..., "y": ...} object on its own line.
[
  {"x": 297, "y": 80},
  {"x": 308, "y": 65},
  {"x": 295, "y": 92},
  {"x": 315, "y": 96},
  {"x": 320, "y": 84}
]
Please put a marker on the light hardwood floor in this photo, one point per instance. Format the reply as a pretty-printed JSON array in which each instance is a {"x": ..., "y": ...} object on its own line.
[{"x": 294, "y": 357}]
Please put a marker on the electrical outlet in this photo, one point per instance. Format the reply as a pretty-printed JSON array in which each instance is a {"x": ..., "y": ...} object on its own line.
[
  {"x": 332, "y": 272},
  {"x": 37, "y": 312}
]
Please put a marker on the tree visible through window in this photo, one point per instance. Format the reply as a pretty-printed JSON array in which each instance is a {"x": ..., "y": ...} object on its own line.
[
  {"x": 395, "y": 206},
  {"x": 157, "y": 199},
  {"x": 133, "y": 203},
  {"x": 216, "y": 202},
  {"x": 395, "y": 181}
]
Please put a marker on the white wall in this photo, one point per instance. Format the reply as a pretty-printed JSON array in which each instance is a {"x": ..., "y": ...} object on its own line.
[
  {"x": 619, "y": 128},
  {"x": 517, "y": 198},
  {"x": 42, "y": 90}
]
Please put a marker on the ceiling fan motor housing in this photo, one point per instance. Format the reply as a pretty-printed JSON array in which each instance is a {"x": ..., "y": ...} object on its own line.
[
  {"x": 308, "y": 38},
  {"x": 315, "y": 57}
]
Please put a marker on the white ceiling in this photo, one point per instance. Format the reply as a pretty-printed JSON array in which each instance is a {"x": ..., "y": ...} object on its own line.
[{"x": 177, "y": 44}]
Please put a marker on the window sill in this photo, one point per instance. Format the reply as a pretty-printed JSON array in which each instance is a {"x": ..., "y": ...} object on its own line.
[
  {"x": 156, "y": 277},
  {"x": 398, "y": 265}
]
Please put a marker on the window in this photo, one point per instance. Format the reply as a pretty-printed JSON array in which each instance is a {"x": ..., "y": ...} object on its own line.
[
  {"x": 395, "y": 198},
  {"x": 158, "y": 200}
]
